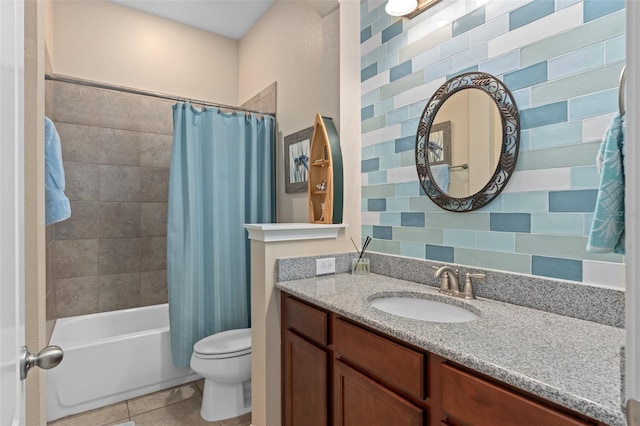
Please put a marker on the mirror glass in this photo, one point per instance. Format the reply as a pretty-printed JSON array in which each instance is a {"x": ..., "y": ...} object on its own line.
[{"x": 472, "y": 126}]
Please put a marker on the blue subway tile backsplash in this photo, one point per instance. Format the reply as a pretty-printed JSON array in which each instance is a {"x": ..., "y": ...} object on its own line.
[
  {"x": 365, "y": 34},
  {"x": 594, "y": 9},
  {"x": 439, "y": 253},
  {"x": 383, "y": 232},
  {"x": 468, "y": 22},
  {"x": 526, "y": 77},
  {"x": 412, "y": 219},
  {"x": 544, "y": 115},
  {"x": 510, "y": 222},
  {"x": 407, "y": 143},
  {"x": 553, "y": 267},
  {"x": 391, "y": 31},
  {"x": 563, "y": 75},
  {"x": 370, "y": 165},
  {"x": 573, "y": 201},
  {"x": 367, "y": 112},
  {"x": 531, "y": 12},
  {"x": 377, "y": 205},
  {"x": 368, "y": 72},
  {"x": 400, "y": 71}
]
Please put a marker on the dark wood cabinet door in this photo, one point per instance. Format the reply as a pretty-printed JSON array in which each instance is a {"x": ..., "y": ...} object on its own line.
[
  {"x": 359, "y": 401},
  {"x": 305, "y": 382},
  {"x": 473, "y": 401}
]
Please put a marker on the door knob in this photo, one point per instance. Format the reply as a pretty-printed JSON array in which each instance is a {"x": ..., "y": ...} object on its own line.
[{"x": 47, "y": 358}]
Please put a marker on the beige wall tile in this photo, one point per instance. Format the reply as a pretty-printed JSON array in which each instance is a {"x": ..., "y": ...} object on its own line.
[
  {"x": 75, "y": 258},
  {"x": 82, "y": 224},
  {"x": 119, "y": 183},
  {"x": 76, "y": 296},
  {"x": 119, "y": 255},
  {"x": 154, "y": 184},
  {"x": 153, "y": 219},
  {"x": 120, "y": 291},
  {"x": 155, "y": 150},
  {"x": 119, "y": 219},
  {"x": 76, "y": 104},
  {"x": 81, "y": 181},
  {"x": 153, "y": 255},
  {"x": 153, "y": 288},
  {"x": 79, "y": 143},
  {"x": 133, "y": 112},
  {"x": 117, "y": 153},
  {"x": 48, "y": 99},
  {"x": 120, "y": 147}
]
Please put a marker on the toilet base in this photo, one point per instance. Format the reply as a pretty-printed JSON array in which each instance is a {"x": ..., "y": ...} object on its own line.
[{"x": 222, "y": 401}]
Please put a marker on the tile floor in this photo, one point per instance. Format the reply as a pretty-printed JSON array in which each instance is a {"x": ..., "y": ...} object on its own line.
[{"x": 178, "y": 406}]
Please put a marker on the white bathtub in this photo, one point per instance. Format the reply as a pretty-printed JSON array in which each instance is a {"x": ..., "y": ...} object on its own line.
[{"x": 110, "y": 357}]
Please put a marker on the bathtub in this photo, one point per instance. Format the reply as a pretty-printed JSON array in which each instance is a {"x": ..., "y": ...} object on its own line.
[{"x": 110, "y": 357}]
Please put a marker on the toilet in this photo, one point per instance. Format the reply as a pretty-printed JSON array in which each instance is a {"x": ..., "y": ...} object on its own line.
[{"x": 224, "y": 360}]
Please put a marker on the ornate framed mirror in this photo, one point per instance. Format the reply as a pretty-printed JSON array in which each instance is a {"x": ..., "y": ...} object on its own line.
[{"x": 478, "y": 115}]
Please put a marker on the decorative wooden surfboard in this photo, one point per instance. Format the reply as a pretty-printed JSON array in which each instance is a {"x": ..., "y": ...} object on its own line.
[{"x": 325, "y": 173}]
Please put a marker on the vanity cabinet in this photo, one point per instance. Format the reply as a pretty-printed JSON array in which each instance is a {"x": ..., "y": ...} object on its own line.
[
  {"x": 337, "y": 372},
  {"x": 471, "y": 400},
  {"x": 359, "y": 400},
  {"x": 306, "y": 360}
]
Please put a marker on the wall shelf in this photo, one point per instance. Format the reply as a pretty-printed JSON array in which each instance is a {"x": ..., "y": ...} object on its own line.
[
  {"x": 292, "y": 231},
  {"x": 325, "y": 176}
]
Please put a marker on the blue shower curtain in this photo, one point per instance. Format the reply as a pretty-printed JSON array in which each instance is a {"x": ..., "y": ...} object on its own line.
[{"x": 221, "y": 177}]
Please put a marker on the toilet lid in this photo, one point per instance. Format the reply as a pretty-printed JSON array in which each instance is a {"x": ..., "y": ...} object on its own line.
[{"x": 226, "y": 342}]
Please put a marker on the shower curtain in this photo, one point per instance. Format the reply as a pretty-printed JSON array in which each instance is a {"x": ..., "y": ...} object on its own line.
[{"x": 221, "y": 176}]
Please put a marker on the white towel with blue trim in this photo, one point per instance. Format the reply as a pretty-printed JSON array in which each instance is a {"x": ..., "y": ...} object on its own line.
[
  {"x": 57, "y": 207},
  {"x": 607, "y": 229}
]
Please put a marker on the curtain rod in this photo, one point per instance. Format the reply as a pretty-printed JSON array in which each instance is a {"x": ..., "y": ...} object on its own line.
[{"x": 97, "y": 85}]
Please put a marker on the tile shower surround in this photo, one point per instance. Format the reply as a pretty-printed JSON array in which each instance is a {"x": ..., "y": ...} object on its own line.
[
  {"x": 561, "y": 60},
  {"x": 116, "y": 148}
]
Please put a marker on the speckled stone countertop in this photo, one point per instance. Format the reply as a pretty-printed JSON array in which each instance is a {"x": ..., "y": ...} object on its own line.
[{"x": 571, "y": 362}]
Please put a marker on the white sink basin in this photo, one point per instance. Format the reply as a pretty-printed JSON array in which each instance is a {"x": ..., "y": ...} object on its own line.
[{"x": 422, "y": 309}]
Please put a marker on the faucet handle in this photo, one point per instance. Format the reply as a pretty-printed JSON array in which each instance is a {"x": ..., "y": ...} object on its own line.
[{"x": 468, "y": 293}]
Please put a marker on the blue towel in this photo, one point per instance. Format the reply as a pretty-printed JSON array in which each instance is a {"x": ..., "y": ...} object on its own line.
[
  {"x": 441, "y": 176},
  {"x": 57, "y": 207},
  {"x": 607, "y": 230}
]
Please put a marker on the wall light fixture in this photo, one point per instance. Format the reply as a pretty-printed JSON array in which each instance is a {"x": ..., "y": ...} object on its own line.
[{"x": 408, "y": 8}]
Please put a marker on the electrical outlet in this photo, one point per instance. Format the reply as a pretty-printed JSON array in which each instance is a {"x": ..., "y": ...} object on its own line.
[{"x": 326, "y": 266}]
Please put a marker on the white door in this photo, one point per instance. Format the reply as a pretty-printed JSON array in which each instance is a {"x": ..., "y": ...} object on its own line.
[{"x": 12, "y": 394}]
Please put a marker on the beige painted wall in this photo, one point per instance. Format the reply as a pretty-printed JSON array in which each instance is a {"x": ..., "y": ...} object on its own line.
[
  {"x": 107, "y": 42},
  {"x": 265, "y": 300},
  {"x": 292, "y": 44}
]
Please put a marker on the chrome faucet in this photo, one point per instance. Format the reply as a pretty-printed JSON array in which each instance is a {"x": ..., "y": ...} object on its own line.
[{"x": 449, "y": 280}]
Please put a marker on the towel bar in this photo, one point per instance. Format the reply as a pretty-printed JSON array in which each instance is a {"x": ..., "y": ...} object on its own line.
[{"x": 459, "y": 166}]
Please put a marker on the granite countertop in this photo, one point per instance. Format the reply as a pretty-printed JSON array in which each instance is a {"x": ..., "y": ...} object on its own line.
[{"x": 571, "y": 362}]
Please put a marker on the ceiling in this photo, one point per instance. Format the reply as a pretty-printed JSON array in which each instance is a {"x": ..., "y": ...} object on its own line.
[{"x": 229, "y": 18}]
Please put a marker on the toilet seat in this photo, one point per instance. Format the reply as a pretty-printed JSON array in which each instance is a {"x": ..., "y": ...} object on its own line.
[{"x": 227, "y": 344}]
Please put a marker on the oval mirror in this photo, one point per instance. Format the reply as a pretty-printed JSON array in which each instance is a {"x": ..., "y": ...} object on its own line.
[{"x": 467, "y": 142}]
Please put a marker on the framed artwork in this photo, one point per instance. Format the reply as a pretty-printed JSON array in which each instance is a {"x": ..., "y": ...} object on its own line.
[
  {"x": 439, "y": 144},
  {"x": 297, "y": 147}
]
